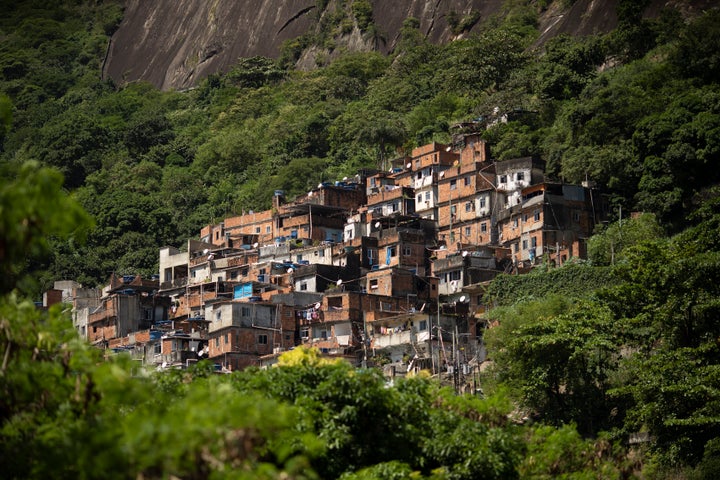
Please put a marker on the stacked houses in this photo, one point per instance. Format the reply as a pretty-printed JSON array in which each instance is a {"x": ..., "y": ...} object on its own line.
[{"x": 387, "y": 269}]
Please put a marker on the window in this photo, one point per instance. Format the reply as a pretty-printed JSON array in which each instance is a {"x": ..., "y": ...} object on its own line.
[
  {"x": 520, "y": 176},
  {"x": 483, "y": 227},
  {"x": 515, "y": 223},
  {"x": 303, "y": 286},
  {"x": 372, "y": 254},
  {"x": 257, "y": 229},
  {"x": 321, "y": 253},
  {"x": 525, "y": 218},
  {"x": 395, "y": 206},
  {"x": 482, "y": 202},
  {"x": 536, "y": 215},
  {"x": 453, "y": 184},
  {"x": 467, "y": 231},
  {"x": 158, "y": 348},
  {"x": 423, "y": 325},
  {"x": 427, "y": 196},
  {"x": 452, "y": 236},
  {"x": 453, "y": 209},
  {"x": 407, "y": 251},
  {"x": 503, "y": 179},
  {"x": 227, "y": 339},
  {"x": 217, "y": 342},
  {"x": 299, "y": 258},
  {"x": 304, "y": 333},
  {"x": 533, "y": 242},
  {"x": 467, "y": 181},
  {"x": 268, "y": 229},
  {"x": 373, "y": 284},
  {"x": 454, "y": 275},
  {"x": 576, "y": 216},
  {"x": 515, "y": 247},
  {"x": 218, "y": 315},
  {"x": 524, "y": 244},
  {"x": 419, "y": 175},
  {"x": 419, "y": 198},
  {"x": 245, "y": 311},
  {"x": 393, "y": 251},
  {"x": 262, "y": 339},
  {"x": 468, "y": 206},
  {"x": 233, "y": 275}
]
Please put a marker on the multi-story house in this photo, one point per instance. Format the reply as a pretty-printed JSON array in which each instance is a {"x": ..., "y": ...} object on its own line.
[
  {"x": 320, "y": 277},
  {"x": 516, "y": 174},
  {"x": 404, "y": 283},
  {"x": 550, "y": 219},
  {"x": 467, "y": 199},
  {"x": 390, "y": 200},
  {"x": 459, "y": 270},
  {"x": 241, "y": 331},
  {"x": 129, "y": 303}
]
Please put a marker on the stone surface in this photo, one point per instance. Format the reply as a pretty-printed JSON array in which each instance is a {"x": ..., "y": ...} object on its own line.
[{"x": 174, "y": 44}]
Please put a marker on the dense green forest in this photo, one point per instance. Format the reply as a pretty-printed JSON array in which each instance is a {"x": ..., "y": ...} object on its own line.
[{"x": 586, "y": 359}]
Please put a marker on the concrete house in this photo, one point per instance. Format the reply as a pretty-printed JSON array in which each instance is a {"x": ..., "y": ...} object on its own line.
[
  {"x": 241, "y": 331},
  {"x": 129, "y": 303}
]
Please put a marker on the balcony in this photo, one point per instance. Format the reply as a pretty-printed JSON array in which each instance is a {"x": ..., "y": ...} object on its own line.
[
  {"x": 177, "y": 283},
  {"x": 393, "y": 339},
  {"x": 425, "y": 181}
]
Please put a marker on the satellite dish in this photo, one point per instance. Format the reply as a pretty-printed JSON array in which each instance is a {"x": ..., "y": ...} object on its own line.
[
  {"x": 309, "y": 194},
  {"x": 377, "y": 224},
  {"x": 200, "y": 352},
  {"x": 211, "y": 256},
  {"x": 344, "y": 179},
  {"x": 290, "y": 270},
  {"x": 205, "y": 252},
  {"x": 442, "y": 174},
  {"x": 164, "y": 364},
  {"x": 317, "y": 306},
  {"x": 255, "y": 245},
  {"x": 319, "y": 185},
  {"x": 465, "y": 253},
  {"x": 339, "y": 282},
  {"x": 448, "y": 148},
  {"x": 462, "y": 299},
  {"x": 408, "y": 166}
]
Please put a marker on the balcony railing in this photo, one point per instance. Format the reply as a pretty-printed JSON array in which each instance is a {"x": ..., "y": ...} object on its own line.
[
  {"x": 177, "y": 283},
  {"x": 393, "y": 339}
]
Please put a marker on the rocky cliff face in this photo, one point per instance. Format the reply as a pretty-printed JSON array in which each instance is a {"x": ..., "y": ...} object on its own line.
[{"x": 173, "y": 44}]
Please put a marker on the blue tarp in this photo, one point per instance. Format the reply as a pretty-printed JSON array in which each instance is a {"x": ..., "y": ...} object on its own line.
[{"x": 243, "y": 290}]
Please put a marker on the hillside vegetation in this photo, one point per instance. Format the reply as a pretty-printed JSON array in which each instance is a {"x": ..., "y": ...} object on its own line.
[{"x": 586, "y": 358}]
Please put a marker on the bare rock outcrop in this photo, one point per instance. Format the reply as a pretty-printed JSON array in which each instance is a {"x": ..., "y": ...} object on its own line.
[{"x": 174, "y": 44}]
